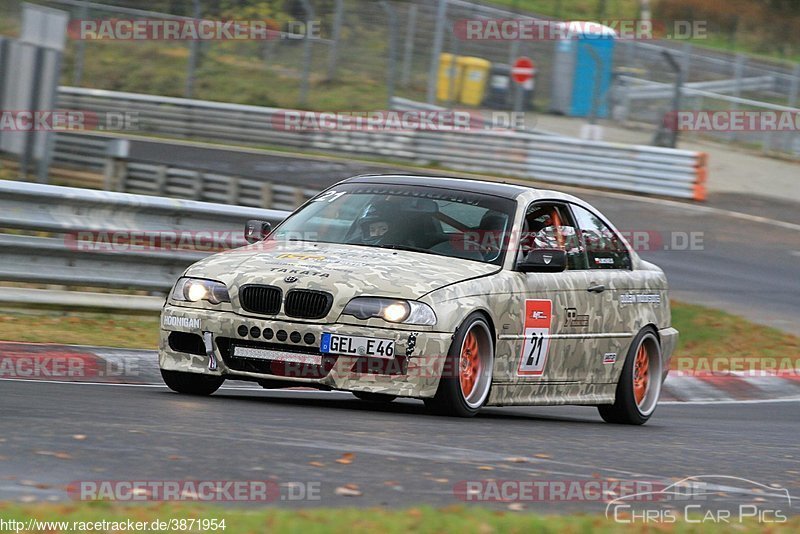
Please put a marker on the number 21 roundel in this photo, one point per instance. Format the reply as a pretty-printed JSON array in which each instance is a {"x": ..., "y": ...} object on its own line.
[{"x": 538, "y": 317}]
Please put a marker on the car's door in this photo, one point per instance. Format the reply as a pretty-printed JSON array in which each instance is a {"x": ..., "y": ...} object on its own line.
[
  {"x": 557, "y": 306},
  {"x": 609, "y": 323}
]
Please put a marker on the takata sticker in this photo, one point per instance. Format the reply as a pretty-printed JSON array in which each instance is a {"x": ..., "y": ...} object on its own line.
[
  {"x": 538, "y": 318},
  {"x": 609, "y": 358}
]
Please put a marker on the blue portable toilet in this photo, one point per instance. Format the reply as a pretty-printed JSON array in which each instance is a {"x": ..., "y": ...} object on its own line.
[{"x": 584, "y": 58}]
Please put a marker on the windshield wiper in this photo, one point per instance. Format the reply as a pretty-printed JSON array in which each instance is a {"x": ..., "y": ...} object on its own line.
[{"x": 406, "y": 247}]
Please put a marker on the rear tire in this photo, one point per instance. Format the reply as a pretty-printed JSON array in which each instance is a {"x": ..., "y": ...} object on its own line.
[
  {"x": 639, "y": 385},
  {"x": 467, "y": 374},
  {"x": 374, "y": 397},
  {"x": 191, "y": 383}
]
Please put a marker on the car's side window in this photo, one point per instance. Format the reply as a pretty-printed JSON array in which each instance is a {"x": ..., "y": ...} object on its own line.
[
  {"x": 550, "y": 225},
  {"x": 604, "y": 248}
]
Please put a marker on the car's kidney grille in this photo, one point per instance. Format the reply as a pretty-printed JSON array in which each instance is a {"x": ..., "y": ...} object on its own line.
[
  {"x": 307, "y": 304},
  {"x": 261, "y": 299}
]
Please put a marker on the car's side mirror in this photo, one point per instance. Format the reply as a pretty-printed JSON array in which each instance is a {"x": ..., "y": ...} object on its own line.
[
  {"x": 255, "y": 230},
  {"x": 543, "y": 261}
]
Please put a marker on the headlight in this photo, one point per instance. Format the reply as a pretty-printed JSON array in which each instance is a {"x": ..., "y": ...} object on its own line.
[
  {"x": 197, "y": 289},
  {"x": 392, "y": 310}
]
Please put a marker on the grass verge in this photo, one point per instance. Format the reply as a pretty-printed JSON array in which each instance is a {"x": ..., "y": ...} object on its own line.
[
  {"x": 80, "y": 328},
  {"x": 352, "y": 520},
  {"x": 707, "y": 335},
  {"x": 712, "y": 340}
]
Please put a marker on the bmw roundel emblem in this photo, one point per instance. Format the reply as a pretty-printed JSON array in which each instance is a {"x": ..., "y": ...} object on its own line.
[{"x": 290, "y": 279}]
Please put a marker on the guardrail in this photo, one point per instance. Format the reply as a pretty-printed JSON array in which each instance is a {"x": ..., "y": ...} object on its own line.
[
  {"x": 171, "y": 181},
  {"x": 100, "y": 239},
  {"x": 638, "y": 88},
  {"x": 564, "y": 160},
  {"x": 92, "y": 153}
]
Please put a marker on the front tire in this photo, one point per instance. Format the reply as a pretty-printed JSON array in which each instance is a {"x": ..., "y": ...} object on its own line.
[
  {"x": 191, "y": 383},
  {"x": 639, "y": 385},
  {"x": 467, "y": 374}
]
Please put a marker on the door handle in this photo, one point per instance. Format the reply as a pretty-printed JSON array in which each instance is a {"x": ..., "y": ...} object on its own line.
[{"x": 596, "y": 288}]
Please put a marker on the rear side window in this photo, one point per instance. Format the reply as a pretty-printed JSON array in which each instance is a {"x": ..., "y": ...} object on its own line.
[{"x": 604, "y": 248}]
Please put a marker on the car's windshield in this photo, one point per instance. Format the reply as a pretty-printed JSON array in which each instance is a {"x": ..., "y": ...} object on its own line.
[{"x": 432, "y": 220}]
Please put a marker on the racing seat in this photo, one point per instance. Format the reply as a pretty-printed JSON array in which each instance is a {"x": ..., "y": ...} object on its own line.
[{"x": 422, "y": 229}]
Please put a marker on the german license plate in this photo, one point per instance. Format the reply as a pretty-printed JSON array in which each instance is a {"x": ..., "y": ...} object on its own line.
[
  {"x": 276, "y": 355},
  {"x": 357, "y": 346}
]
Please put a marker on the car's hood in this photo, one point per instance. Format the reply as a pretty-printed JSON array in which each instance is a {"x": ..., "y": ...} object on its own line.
[{"x": 343, "y": 270}]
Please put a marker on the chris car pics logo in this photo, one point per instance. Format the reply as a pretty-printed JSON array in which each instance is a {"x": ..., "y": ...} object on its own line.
[{"x": 712, "y": 499}]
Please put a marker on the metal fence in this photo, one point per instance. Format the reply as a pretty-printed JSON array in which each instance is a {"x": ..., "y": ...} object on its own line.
[
  {"x": 638, "y": 88},
  {"x": 96, "y": 239},
  {"x": 548, "y": 158},
  {"x": 364, "y": 52},
  {"x": 645, "y": 101},
  {"x": 363, "y": 43}
]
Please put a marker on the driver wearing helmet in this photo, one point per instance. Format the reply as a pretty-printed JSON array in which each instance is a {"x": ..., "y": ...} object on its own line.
[{"x": 376, "y": 222}]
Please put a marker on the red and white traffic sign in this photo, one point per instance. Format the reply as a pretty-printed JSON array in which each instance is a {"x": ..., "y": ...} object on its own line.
[{"x": 523, "y": 70}]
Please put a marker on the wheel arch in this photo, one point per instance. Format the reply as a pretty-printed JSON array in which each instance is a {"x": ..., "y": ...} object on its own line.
[
  {"x": 646, "y": 326},
  {"x": 489, "y": 320},
  {"x": 652, "y": 327}
]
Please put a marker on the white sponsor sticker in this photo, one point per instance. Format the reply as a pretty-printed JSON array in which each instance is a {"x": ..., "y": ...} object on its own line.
[
  {"x": 183, "y": 322},
  {"x": 641, "y": 298}
]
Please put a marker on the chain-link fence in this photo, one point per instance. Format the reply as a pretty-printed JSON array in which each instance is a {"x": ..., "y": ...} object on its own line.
[
  {"x": 353, "y": 54},
  {"x": 356, "y": 54}
]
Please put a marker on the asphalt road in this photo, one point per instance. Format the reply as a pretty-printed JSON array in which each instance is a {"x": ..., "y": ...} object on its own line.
[
  {"x": 746, "y": 267},
  {"x": 401, "y": 456}
]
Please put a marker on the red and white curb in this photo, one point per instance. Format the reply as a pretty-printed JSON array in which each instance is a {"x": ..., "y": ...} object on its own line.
[
  {"x": 76, "y": 363},
  {"x": 731, "y": 386}
]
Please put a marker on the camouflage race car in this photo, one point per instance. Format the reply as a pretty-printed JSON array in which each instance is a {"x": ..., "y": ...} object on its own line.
[{"x": 460, "y": 293}]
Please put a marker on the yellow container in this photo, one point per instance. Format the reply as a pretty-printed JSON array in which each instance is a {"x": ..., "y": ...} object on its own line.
[
  {"x": 475, "y": 74},
  {"x": 446, "y": 89}
]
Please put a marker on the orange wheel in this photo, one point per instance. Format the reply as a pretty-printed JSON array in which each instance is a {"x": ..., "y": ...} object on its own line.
[
  {"x": 639, "y": 386},
  {"x": 467, "y": 375},
  {"x": 469, "y": 365},
  {"x": 641, "y": 378}
]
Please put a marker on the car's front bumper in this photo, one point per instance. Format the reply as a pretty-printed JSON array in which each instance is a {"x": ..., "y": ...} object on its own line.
[{"x": 414, "y": 371}]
